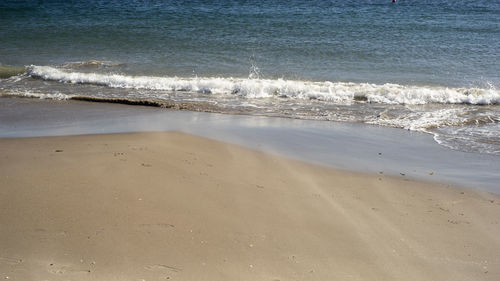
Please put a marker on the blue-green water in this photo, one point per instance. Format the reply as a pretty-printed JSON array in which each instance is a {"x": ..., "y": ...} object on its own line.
[
  {"x": 422, "y": 65},
  {"x": 451, "y": 43}
]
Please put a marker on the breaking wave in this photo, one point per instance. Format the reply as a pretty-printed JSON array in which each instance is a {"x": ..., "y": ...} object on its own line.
[
  {"x": 92, "y": 64},
  {"x": 335, "y": 92},
  {"x": 7, "y": 71}
]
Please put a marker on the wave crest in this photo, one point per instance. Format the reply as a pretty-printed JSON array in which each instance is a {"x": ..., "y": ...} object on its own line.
[
  {"x": 92, "y": 64},
  {"x": 336, "y": 92},
  {"x": 7, "y": 71}
]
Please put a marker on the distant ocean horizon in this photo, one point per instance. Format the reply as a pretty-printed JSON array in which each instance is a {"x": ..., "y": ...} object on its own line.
[{"x": 428, "y": 66}]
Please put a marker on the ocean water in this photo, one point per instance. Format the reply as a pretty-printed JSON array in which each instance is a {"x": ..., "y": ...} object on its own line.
[{"x": 429, "y": 66}]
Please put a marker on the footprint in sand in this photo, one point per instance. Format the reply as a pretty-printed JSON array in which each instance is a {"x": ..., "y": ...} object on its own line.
[
  {"x": 10, "y": 261},
  {"x": 162, "y": 266},
  {"x": 161, "y": 225},
  {"x": 64, "y": 269}
]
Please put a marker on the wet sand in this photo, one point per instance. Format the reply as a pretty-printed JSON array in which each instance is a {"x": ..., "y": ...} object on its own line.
[
  {"x": 342, "y": 145},
  {"x": 172, "y": 206}
]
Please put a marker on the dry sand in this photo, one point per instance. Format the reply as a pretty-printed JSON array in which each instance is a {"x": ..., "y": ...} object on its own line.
[{"x": 170, "y": 206}]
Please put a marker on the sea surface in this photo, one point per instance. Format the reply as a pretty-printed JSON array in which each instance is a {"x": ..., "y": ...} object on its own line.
[{"x": 428, "y": 66}]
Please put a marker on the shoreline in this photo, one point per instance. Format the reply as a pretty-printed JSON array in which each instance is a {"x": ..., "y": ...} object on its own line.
[
  {"x": 242, "y": 140},
  {"x": 346, "y": 146},
  {"x": 169, "y": 205}
]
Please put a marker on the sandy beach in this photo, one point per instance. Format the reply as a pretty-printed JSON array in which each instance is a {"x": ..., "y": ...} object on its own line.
[
  {"x": 172, "y": 206},
  {"x": 249, "y": 140}
]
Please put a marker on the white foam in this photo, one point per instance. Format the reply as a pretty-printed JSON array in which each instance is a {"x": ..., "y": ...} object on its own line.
[
  {"x": 31, "y": 94},
  {"x": 336, "y": 92},
  {"x": 418, "y": 120}
]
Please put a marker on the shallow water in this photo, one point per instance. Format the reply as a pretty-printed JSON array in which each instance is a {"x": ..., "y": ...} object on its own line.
[{"x": 350, "y": 146}]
